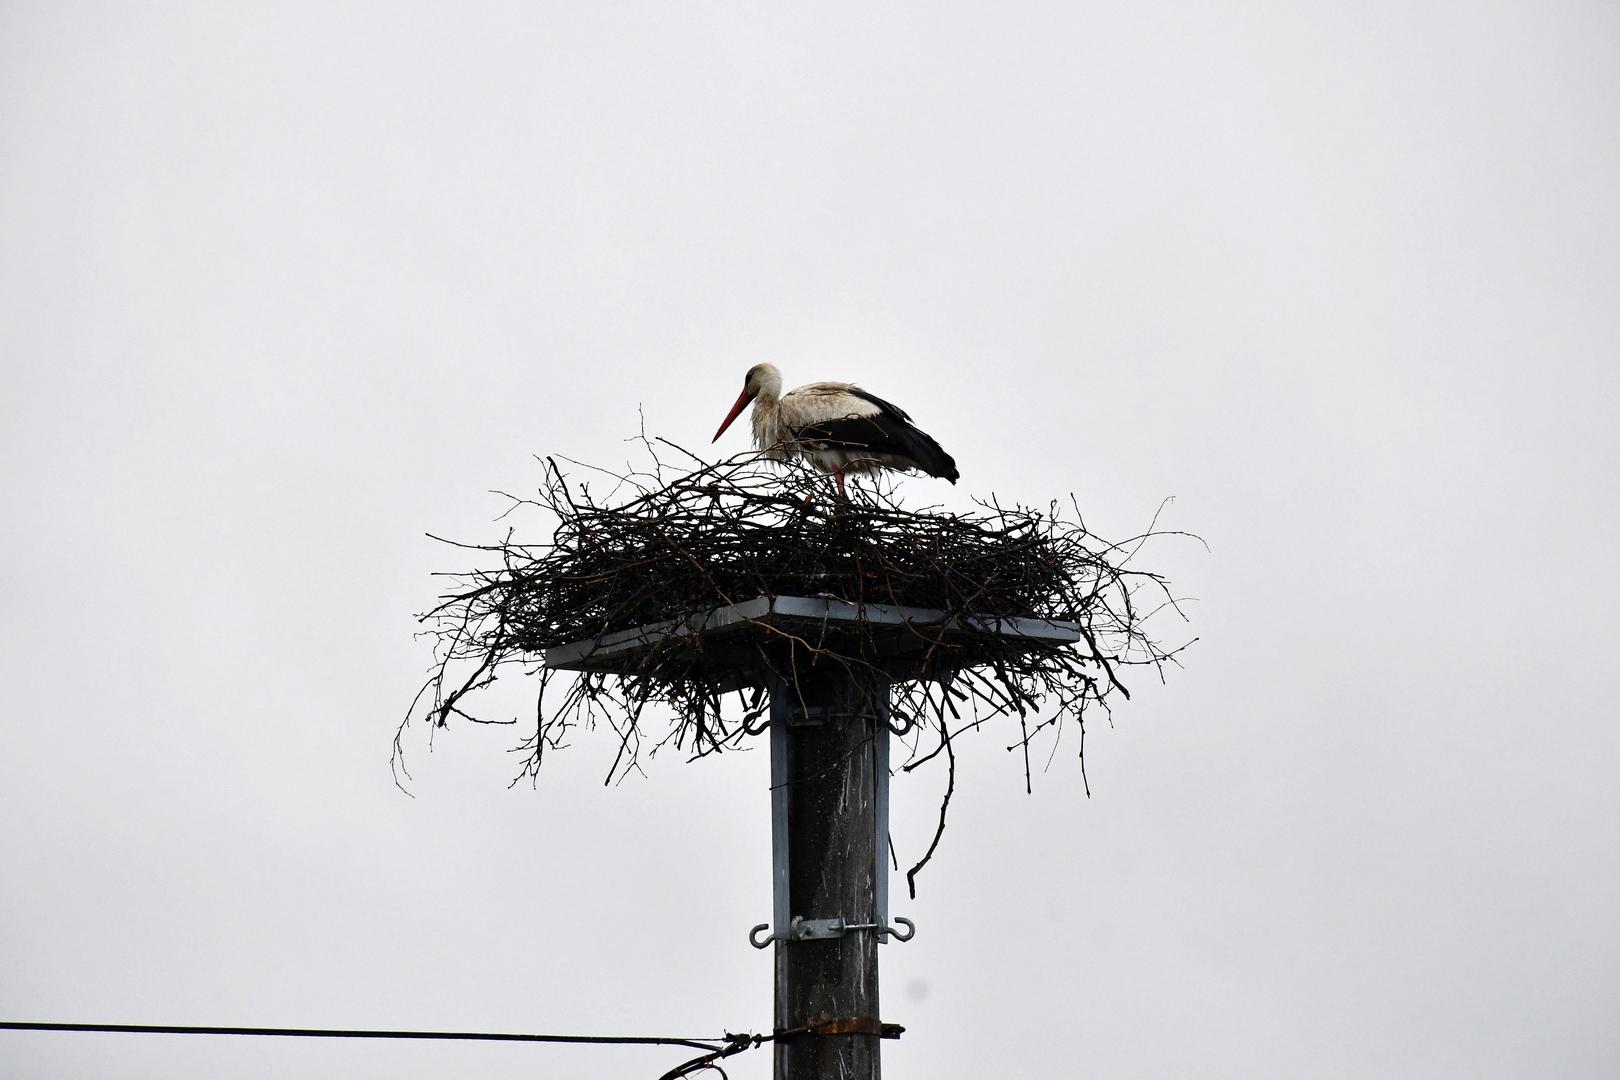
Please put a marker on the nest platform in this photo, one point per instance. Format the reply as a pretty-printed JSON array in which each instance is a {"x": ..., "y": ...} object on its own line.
[{"x": 739, "y": 643}]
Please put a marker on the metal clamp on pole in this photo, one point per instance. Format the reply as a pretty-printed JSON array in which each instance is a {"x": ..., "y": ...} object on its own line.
[
  {"x": 803, "y": 929},
  {"x": 823, "y": 1024}
]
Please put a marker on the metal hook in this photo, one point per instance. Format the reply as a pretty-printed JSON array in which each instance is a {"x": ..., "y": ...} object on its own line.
[
  {"x": 749, "y": 728},
  {"x": 812, "y": 929}
]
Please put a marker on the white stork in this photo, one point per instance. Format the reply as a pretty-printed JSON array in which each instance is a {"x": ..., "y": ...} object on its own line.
[{"x": 837, "y": 427}]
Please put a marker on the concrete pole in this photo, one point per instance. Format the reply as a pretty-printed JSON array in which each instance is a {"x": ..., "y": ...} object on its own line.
[{"x": 829, "y": 743}]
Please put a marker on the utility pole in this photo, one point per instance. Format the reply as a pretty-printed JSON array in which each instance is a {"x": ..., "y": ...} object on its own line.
[
  {"x": 829, "y": 803},
  {"x": 829, "y": 727}
]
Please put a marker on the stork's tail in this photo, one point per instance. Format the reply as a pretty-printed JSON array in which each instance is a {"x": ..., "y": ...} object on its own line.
[{"x": 930, "y": 457}]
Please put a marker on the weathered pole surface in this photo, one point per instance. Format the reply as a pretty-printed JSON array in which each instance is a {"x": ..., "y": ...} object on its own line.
[{"x": 830, "y": 735}]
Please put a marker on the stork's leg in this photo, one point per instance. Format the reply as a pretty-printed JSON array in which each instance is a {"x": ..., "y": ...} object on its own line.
[{"x": 839, "y": 472}]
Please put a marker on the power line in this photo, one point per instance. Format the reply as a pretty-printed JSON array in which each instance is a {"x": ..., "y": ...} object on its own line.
[
  {"x": 705, "y": 1043},
  {"x": 714, "y": 1049}
]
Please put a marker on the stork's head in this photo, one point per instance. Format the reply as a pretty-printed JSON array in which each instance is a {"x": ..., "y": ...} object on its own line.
[{"x": 762, "y": 381}]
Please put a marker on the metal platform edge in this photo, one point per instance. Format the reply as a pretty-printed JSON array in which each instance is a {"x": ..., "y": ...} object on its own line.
[{"x": 576, "y": 654}]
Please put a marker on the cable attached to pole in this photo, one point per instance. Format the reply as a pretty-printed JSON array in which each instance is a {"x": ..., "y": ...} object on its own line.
[
  {"x": 819, "y": 1025},
  {"x": 713, "y": 1049},
  {"x": 704, "y": 1043}
]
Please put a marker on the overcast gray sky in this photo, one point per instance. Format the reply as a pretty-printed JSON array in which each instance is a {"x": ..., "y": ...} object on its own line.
[{"x": 283, "y": 287}]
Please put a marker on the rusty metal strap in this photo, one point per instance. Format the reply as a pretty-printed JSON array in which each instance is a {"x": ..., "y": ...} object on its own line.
[{"x": 844, "y": 1025}]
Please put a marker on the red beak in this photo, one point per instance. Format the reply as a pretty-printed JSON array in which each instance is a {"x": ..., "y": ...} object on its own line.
[{"x": 742, "y": 403}]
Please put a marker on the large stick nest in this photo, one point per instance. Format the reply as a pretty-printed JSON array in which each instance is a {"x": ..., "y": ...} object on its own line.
[{"x": 658, "y": 542}]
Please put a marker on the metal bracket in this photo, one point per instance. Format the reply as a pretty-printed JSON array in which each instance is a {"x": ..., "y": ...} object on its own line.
[
  {"x": 818, "y": 715},
  {"x": 816, "y": 929},
  {"x": 803, "y": 929},
  {"x": 822, "y": 1024}
]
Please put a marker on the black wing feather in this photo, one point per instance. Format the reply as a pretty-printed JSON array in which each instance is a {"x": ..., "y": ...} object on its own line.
[
  {"x": 889, "y": 432},
  {"x": 886, "y": 406}
]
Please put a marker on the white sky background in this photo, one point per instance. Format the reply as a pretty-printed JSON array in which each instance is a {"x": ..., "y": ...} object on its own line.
[{"x": 281, "y": 291}]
